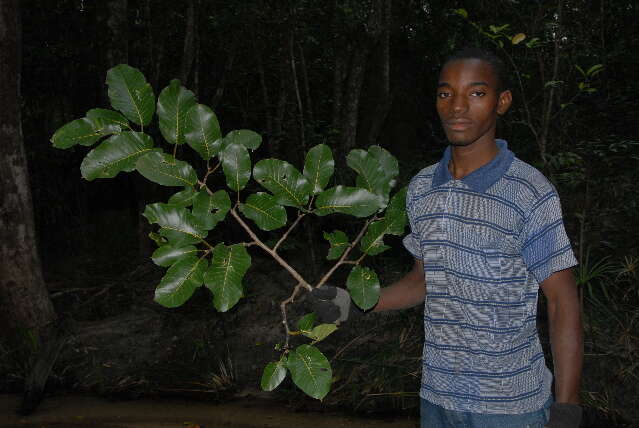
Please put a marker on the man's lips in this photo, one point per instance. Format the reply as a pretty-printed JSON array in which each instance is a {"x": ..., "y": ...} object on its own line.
[{"x": 458, "y": 124}]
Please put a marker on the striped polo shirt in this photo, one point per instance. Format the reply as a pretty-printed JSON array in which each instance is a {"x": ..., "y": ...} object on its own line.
[{"x": 487, "y": 241}]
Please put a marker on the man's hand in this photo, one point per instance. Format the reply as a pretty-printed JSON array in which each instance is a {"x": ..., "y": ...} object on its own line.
[
  {"x": 564, "y": 415},
  {"x": 333, "y": 304}
]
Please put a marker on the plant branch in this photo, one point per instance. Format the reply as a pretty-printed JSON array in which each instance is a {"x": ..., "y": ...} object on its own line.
[
  {"x": 270, "y": 251},
  {"x": 342, "y": 259},
  {"x": 283, "y": 305},
  {"x": 300, "y": 215}
]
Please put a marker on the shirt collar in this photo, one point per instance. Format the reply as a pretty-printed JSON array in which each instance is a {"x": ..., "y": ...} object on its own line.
[{"x": 482, "y": 178}]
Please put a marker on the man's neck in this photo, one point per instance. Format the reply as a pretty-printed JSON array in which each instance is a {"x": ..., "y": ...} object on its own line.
[{"x": 466, "y": 159}]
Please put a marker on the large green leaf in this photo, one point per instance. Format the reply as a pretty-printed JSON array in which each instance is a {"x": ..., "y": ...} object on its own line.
[
  {"x": 320, "y": 332},
  {"x": 130, "y": 94},
  {"x": 178, "y": 224},
  {"x": 306, "y": 322},
  {"x": 107, "y": 122},
  {"x": 224, "y": 277},
  {"x": 264, "y": 211},
  {"x": 79, "y": 131},
  {"x": 164, "y": 169},
  {"x": 183, "y": 198},
  {"x": 180, "y": 281},
  {"x": 363, "y": 286},
  {"x": 236, "y": 164},
  {"x": 389, "y": 163},
  {"x": 354, "y": 201},
  {"x": 310, "y": 371},
  {"x": 166, "y": 255},
  {"x": 370, "y": 174},
  {"x": 319, "y": 167},
  {"x": 339, "y": 243},
  {"x": 287, "y": 184},
  {"x": 209, "y": 210},
  {"x": 274, "y": 373},
  {"x": 202, "y": 131},
  {"x": 249, "y": 139},
  {"x": 393, "y": 223},
  {"x": 117, "y": 153},
  {"x": 173, "y": 104}
]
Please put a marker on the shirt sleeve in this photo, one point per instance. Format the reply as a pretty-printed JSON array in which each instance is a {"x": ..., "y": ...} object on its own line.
[
  {"x": 546, "y": 248},
  {"x": 411, "y": 240}
]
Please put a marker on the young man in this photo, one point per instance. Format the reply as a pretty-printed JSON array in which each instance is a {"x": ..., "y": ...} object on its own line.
[{"x": 486, "y": 234}]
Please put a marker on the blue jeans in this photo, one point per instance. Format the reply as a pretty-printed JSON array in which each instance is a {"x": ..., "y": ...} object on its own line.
[{"x": 433, "y": 416}]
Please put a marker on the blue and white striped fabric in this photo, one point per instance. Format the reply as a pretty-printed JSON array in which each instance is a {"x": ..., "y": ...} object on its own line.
[{"x": 487, "y": 241}]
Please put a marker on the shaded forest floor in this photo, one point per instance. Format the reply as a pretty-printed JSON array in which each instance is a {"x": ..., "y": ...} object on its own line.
[
  {"x": 121, "y": 345},
  {"x": 75, "y": 411}
]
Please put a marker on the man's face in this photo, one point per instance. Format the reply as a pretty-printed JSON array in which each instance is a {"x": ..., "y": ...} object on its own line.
[{"x": 468, "y": 101}]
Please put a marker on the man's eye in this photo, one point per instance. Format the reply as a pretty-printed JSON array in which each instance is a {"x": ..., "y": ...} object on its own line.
[
  {"x": 478, "y": 94},
  {"x": 443, "y": 94}
]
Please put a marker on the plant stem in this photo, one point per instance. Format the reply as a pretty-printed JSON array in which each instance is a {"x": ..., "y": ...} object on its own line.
[
  {"x": 342, "y": 259},
  {"x": 270, "y": 251},
  {"x": 283, "y": 304},
  {"x": 283, "y": 238}
]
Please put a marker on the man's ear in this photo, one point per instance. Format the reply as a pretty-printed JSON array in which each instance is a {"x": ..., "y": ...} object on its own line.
[{"x": 504, "y": 102}]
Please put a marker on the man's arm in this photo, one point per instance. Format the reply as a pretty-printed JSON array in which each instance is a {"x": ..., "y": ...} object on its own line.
[
  {"x": 564, "y": 316},
  {"x": 409, "y": 291}
]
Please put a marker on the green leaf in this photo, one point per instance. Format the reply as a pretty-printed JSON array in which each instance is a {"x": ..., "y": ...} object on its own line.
[
  {"x": 79, "y": 131},
  {"x": 339, "y": 243},
  {"x": 164, "y": 169},
  {"x": 173, "y": 104},
  {"x": 264, "y": 211},
  {"x": 394, "y": 223},
  {"x": 180, "y": 281},
  {"x": 461, "y": 12},
  {"x": 319, "y": 167},
  {"x": 390, "y": 166},
  {"x": 373, "y": 242},
  {"x": 274, "y": 374},
  {"x": 310, "y": 371},
  {"x": 224, "y": 277},
  {"x": 107, "y": 122},
  {"x": 157, "y": 238},
  {"x": 363, "y": 285},
  {"x": 177, "y": 224},
  {"x": 117, "y": 153},
  {"x": 518, "y": 38},
  {"x": 594, "y": 70},
  {"x": 183, "y": 198},
  {"x": 376, "y": 170},
  {"x": 249, "y": 139},
  {"x": 320, "y": 332},
  {"x": 202, "y": 131},
  {"x": 353, "y": 201},
  {"x": 166, "y": 255},
  {"x": 306, "y": 322},
  {"x": 209, "y": 210},
  {"x": 236, "y": 164},
  {"x": 287, "y": 184},
  {"x": 130, "y": 94}
]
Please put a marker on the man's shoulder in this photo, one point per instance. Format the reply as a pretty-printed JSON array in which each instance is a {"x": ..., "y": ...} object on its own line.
[
  {"x": 423, "y": 178},
  {"x": 528, "y": 179}
]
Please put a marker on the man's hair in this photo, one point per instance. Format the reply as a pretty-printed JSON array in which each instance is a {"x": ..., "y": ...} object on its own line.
[{"x": 503, "y": 78}]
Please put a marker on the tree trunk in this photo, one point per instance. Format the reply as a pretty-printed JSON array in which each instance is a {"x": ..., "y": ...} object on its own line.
[
  {"x": 113, "y": 17},
  {"x": 355, "y": 80},
  {"x": 189, "y": 43},
  {"x": 24, "y": 299},
  {"x": 228, "y": 68},
  {"x": 381, "y": 82}
]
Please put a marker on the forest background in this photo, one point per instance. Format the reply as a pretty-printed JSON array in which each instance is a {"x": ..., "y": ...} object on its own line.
[{"x": 345, "y": 73}]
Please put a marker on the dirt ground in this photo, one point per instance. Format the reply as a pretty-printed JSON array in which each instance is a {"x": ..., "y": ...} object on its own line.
[{"x": 77, "y": 411}]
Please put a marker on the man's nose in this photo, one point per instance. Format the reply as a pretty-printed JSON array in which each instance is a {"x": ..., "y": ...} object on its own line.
[{"x": 460, "y": 104}]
